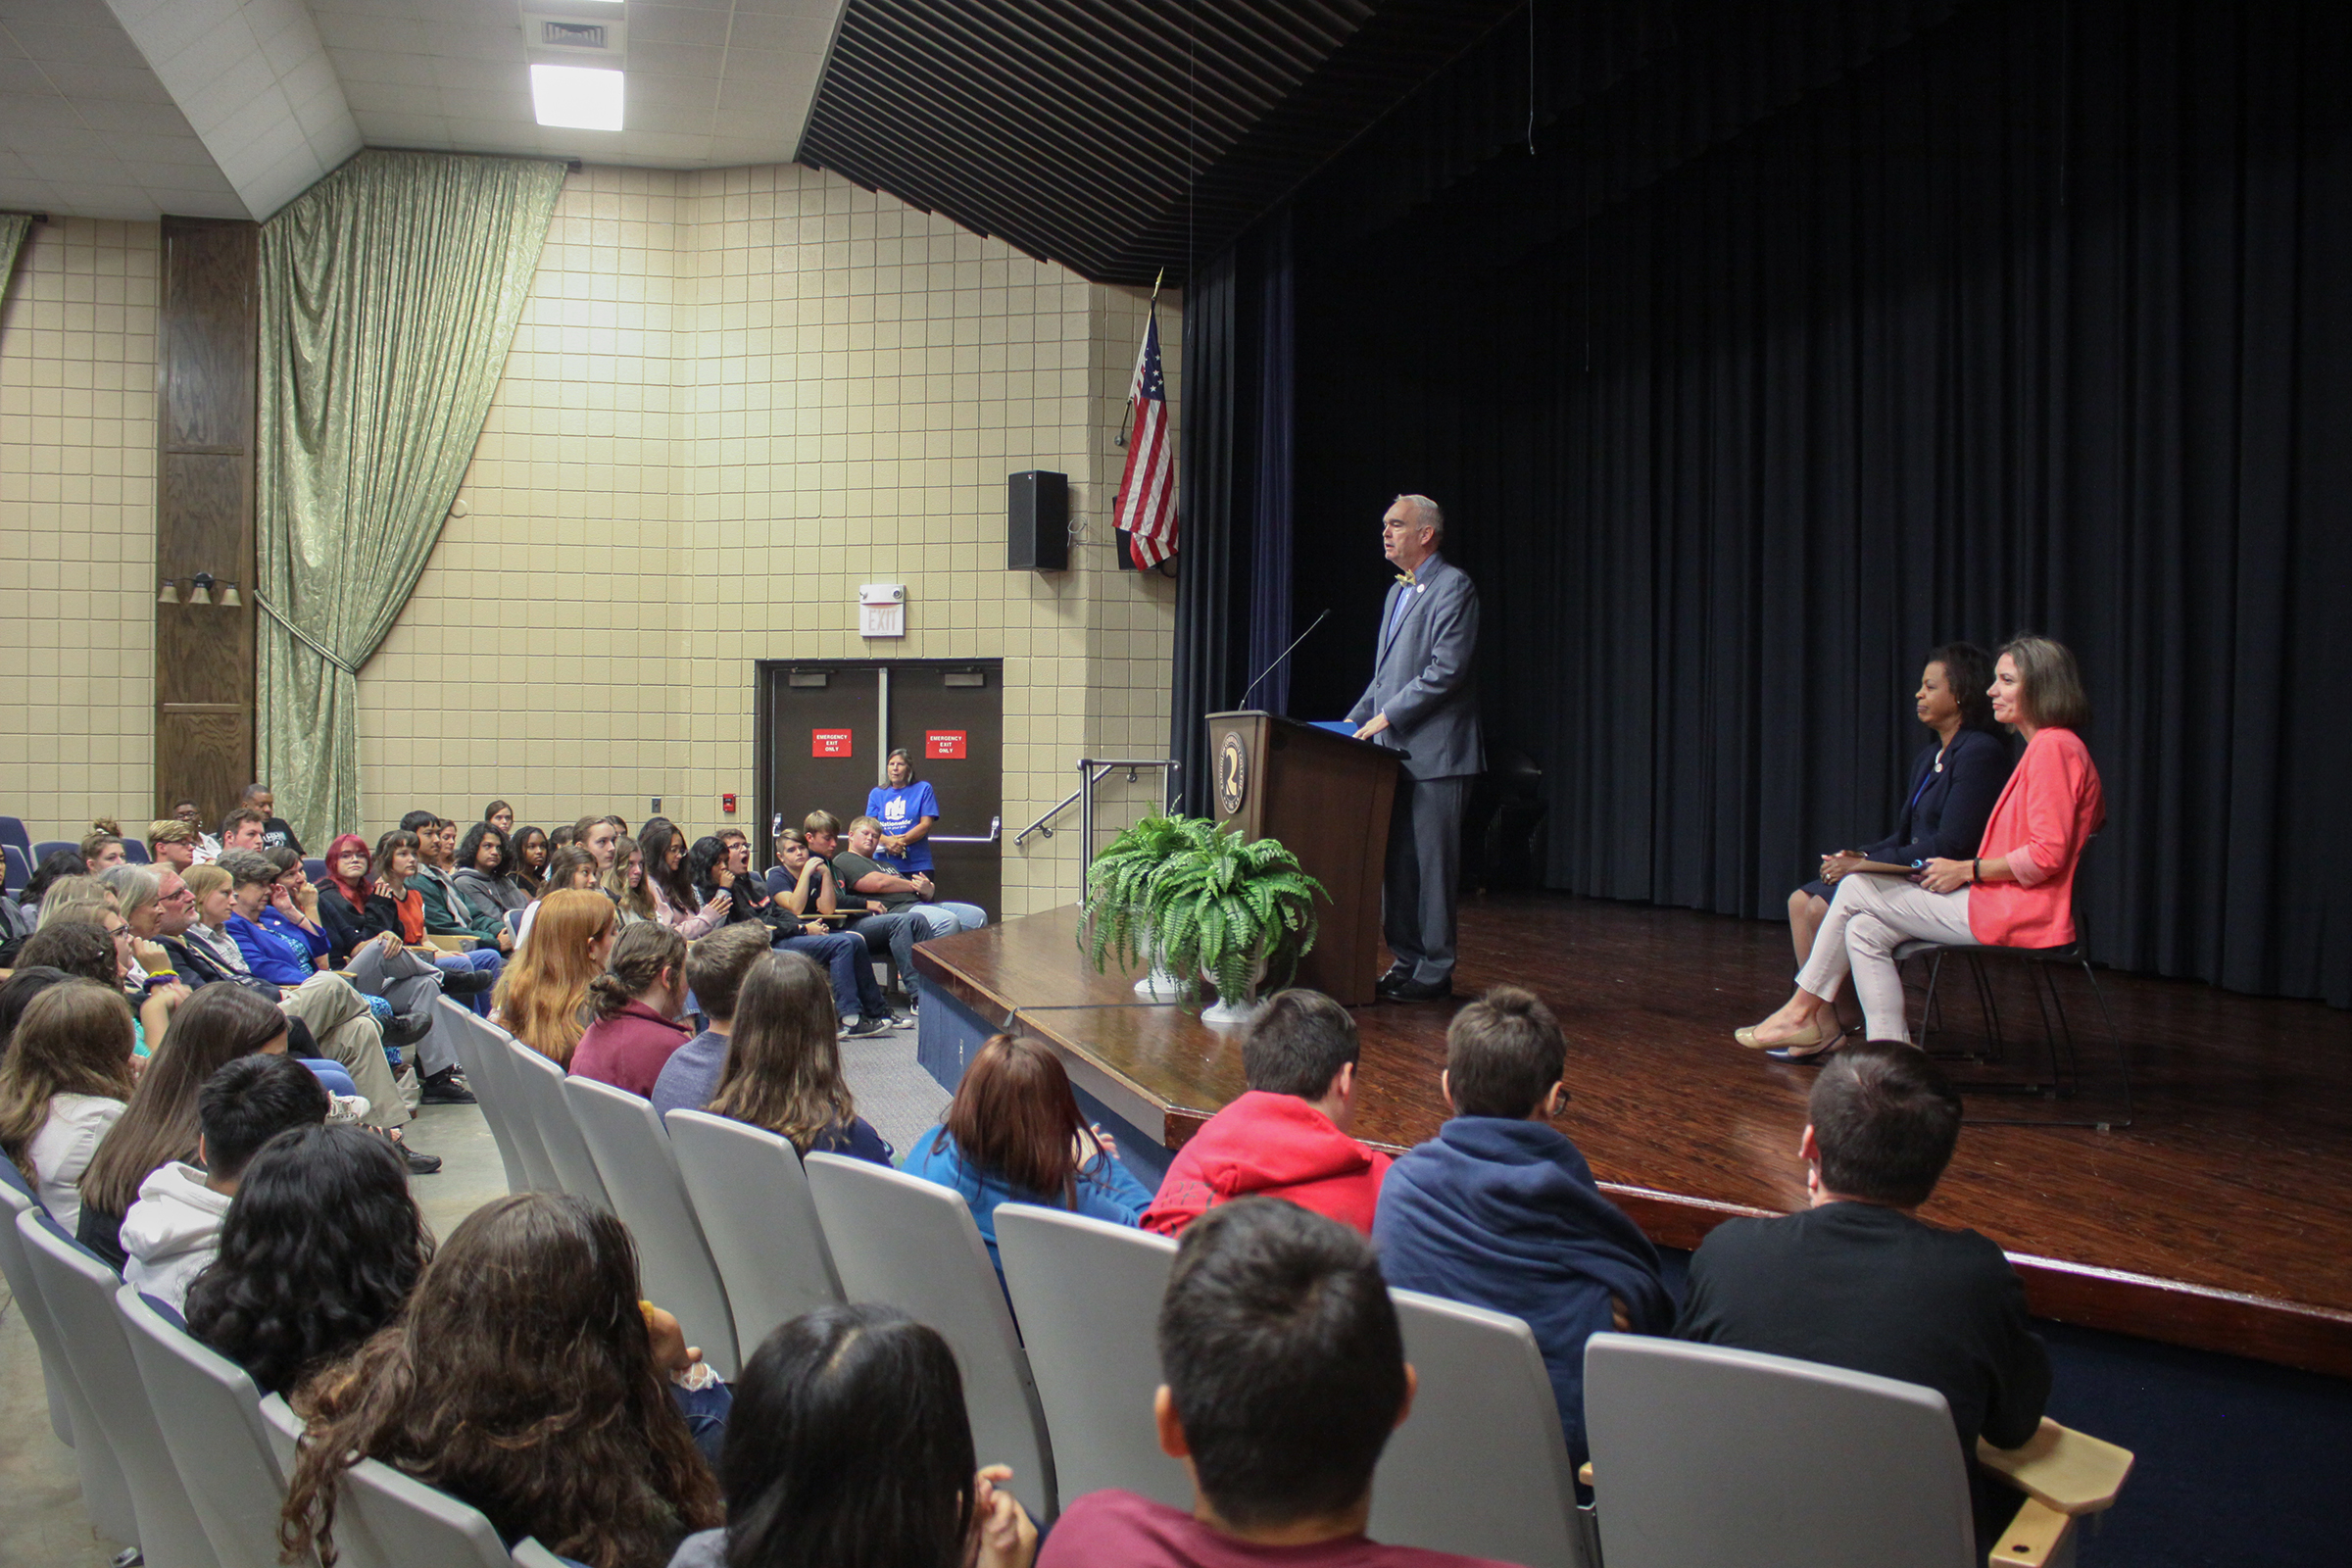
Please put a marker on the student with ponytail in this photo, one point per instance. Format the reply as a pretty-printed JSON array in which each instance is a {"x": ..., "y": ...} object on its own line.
[{"x": 635, "y": 1004}]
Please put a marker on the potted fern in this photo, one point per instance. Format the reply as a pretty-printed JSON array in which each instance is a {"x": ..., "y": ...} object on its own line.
[
  {"x": 1237, "y": 913},
  {"x": 1114, "y": 919}
]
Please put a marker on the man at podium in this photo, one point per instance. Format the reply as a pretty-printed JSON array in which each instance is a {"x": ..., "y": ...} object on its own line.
[{"x": 1423, "y": 703}]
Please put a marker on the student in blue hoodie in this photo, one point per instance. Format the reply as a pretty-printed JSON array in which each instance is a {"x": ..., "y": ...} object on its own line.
[{"x": 1500, "y": 1211}]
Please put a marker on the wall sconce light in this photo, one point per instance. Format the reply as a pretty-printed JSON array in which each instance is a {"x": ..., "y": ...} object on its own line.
[{"x": 200, "y": 592}]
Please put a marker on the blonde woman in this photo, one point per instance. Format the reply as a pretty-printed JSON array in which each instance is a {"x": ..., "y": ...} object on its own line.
[
  {"x": 625, "y": 885},
  {"x": 543, "y": 994},
  {"x": 63, "y": 1086}
]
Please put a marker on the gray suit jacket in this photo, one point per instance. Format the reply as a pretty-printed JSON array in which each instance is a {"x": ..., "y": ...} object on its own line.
[{"x": 1421, "y": 674}]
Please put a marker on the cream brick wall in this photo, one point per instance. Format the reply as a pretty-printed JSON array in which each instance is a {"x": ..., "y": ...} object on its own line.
[
  {"x": 736, "y": 396},
  {"x": 732, "y": 391},
  {"x": 78, "y": 528}
]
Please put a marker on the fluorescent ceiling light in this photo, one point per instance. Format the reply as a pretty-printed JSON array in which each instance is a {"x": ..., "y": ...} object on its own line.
[{"x": 580, "y": 97}]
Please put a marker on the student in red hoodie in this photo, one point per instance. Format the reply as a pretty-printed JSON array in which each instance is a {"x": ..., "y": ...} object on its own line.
[
  {"x": 1288, "y": 1136},
  {"x": 635, "y": 1006}
]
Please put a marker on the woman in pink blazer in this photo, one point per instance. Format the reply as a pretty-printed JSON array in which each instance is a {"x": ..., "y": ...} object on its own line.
[{"x": 2018, "y": 890}]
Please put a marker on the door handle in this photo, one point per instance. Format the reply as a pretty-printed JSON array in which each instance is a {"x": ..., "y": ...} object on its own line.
[{"x": 996, "y": 831}]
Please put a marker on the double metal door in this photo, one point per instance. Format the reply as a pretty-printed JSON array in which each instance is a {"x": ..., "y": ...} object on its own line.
[{"x": 827, "y": 726}]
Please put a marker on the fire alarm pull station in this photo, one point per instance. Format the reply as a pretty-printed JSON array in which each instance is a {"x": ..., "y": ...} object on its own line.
[{"x": 726, "y": 803}]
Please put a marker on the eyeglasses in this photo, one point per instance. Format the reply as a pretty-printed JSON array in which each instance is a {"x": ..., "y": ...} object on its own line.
[{"x": 183, "y": 896}]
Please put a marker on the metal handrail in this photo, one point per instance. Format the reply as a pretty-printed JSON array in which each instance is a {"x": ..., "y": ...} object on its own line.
[{"x": 1092, "y": 772}]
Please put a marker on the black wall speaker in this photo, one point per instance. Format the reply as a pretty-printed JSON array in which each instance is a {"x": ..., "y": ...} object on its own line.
[{"x": 1037, "y": 518}]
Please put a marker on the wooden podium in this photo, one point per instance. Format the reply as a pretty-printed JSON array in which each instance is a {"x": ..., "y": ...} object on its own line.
[{"x": 1326, "y": 797}]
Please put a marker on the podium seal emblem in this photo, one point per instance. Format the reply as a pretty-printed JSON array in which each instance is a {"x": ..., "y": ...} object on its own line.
[{"x": 1233, "y": 774}]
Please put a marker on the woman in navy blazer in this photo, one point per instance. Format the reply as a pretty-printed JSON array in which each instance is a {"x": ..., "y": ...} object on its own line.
[{"x": 1954, "y": 785}]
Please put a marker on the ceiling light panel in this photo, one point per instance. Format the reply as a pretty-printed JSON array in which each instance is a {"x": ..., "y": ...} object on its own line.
[{"x": 577, "y": 97}]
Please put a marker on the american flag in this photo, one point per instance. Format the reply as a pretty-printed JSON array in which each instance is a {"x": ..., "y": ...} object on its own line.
[{"x": 1147, "y": 504}]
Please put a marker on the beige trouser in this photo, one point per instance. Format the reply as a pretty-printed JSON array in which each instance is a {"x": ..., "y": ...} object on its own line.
[{"x": 339, "y": 1019}]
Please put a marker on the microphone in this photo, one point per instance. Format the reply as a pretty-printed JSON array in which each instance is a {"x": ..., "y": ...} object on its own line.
[{"x": 1279, "y": 657}]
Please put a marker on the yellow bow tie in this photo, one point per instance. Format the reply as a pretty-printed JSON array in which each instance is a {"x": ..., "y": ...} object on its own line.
[{"x": 1406, "y": 578}]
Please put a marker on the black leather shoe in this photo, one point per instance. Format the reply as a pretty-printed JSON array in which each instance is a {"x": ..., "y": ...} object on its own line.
[
  {"x": 1387, "y": 984},
  {"x": 1421, "y": 991},
  {"x": 447, "y": 1087},
  {"x": 419, "y": 1162}
]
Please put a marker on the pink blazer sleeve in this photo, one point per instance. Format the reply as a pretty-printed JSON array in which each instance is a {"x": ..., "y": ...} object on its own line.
[{"x": 2051, "y": 807}]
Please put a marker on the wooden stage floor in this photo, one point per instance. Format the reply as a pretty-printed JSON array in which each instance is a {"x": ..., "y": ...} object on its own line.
[{"x": 2220, "y": 1218}]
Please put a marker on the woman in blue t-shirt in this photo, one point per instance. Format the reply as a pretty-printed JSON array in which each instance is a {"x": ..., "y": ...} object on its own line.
[{"x": 906, "y": 808}]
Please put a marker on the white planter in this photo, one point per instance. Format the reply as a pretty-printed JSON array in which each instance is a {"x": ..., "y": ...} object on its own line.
[
  {"x": 1161, "y": 984},
  {"x": 1222, "y": 1012}
]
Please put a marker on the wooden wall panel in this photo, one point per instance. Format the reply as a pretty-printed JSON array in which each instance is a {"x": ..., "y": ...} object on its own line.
[{"x": 206, "y": 343}]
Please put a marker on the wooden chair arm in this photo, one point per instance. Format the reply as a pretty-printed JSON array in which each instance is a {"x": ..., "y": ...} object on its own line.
[
  {"x": 1583, "y": 1472},
  {"x": 2067, "y": 1471},
  {"x": 449, "y": 944},
  {"x": 2032, "y": 1538}
]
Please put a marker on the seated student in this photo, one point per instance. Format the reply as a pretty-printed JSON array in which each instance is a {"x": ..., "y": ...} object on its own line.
[
  {"x": 1288, "y": 1136},
  {"x": 501, "y": 815},
  {"x": 447, "y": 913},
  {"x": 634, "y": 1008},
  {"x": 568, "y": 870},
  {"x": 485, "y": 873},
  {"x": 783, "y": 1068},
  {"x": 1859, "y": 1281},
  {"x": 62, "y": 1087},
  {"x": 716, "y": 967},
  {"x": 93, "y": 944},
  {"x": 1013, "y": 1135},
  {"x": 277, "y": 834},
  {"x": 24, "y": 982},
  {"x": 243, "y": 828},
  {"x": 400, "y": 882},
  {"x": 171, "y": 842},
  {"x": 1501, "y": 1211},
  {"x": 159, "y": 1126},
  {"x": 102, "y": 848},
  {"x": 541, "y": 995},
  {"x": 625, "y": 885},
  {"x": 527, "y": 860},
  {"x": 271, "y": 955},
  {"x": 860, "y": 873},
  {"x": 522, "y": 1378},
  {"x": 720, "y": 866},
  {"x": 600, "y": 836},
  {"x": 320, "y": 1248},
  {"x": 890, "y": 924},
  {"x": 676, "y": 903},
  {"x": 848, "y": 1444},
  {"x": 208, "y": 848},
  {"x": 172, "y": 1232},
  {"x": 1286, "y": 1374}
]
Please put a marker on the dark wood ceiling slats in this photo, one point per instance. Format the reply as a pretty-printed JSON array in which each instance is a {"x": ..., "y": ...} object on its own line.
[{"x": 1117, "y": 136}]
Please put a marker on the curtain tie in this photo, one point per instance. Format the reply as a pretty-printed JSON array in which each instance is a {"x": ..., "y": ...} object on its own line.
[{"x": 304, "y": 637}]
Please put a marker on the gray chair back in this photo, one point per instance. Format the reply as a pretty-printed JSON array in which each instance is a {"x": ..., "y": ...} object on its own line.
[
  {"x": 483, "y": 1064},
  {"x": 1480, "y": 1467},
  {"x": 911, "y": 1243},
  {"x": 632, "y": 1154},
  {"x": 210, "y": 1416},
  {"x": 752, "y": 1197},
  {"x": 105, "y": 1493},
  {"x": 1703, "y": 1455},
  {"x": 80, "y": 1295},
  {"x": 17, "y": 875},
  {"x": 1087, "y": 1296},
  {"x": 542, "y": 1084}
]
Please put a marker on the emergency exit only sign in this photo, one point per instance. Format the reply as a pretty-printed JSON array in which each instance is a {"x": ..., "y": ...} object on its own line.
[
  {"x": 943, "y": 744},
  {"x": 828, "y": 743}
]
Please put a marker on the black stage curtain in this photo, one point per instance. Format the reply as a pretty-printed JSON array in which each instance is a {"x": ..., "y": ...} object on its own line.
[
  {"x": 1232, "y": 607},
  {"x": 1984, "y": 317}
]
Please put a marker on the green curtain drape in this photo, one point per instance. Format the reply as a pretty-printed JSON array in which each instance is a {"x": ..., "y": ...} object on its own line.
[
  {"x": 13, "y": 226},
  {"x": 390, "y": 292}
]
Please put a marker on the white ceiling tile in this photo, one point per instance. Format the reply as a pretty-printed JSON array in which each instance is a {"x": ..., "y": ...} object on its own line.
[
  {"x": 675, "y": 59},
  {"x": 395, "y": 70},
  {"x": 478, "y": 74},
  {"x": 797, "y": 35},
  {"x": 105, "y": 81},
  {"x": 74, "y": 44},
  {"x": 664, "y": 23}
]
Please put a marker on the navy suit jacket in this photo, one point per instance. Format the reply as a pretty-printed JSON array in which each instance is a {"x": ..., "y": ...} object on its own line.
[
  {"x": 1421, "y": 674},
  {"x": 1945, "y": 821}
]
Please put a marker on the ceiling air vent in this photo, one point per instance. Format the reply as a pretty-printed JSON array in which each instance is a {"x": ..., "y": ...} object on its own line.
[{"x": 572, "y": 34}]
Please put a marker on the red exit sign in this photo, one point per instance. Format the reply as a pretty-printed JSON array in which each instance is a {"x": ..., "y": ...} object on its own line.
[
  {"x": 943, "y": 744},
  {"x": 828, "y": 743}
]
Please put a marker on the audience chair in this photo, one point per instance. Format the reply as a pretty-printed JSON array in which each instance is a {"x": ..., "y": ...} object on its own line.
[
  {"x": 105, "y": 1493},
  {"x": 542, "y": 1084},
  {"x": 1480, "y": 1467},
  {"x": 752, "y": 1197},
  {"x": 79, "y": 1291},
  {"x": 481, "y": 1059},
  {"x": 2064, "y": 1066},
  {"x": 134, "y": 851},
  {"x": 514, "y": 918},
  {"x": 313, "y": 868},
  {"x": 48, "y": 847},
  {"x": 16, "y": 864},
  {"x": 210, "y": 1416},
  {"x": 1087, "y": 1295},
  {"x": 632, "y": 1154},
  {"x": 779, "y": 881},
  {"x": 13, "y": 835},
  {"x": 1705, "y": 1455},
  {"x": 384, "y": 1519},
  {"x": 911, "y": 1243}
]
